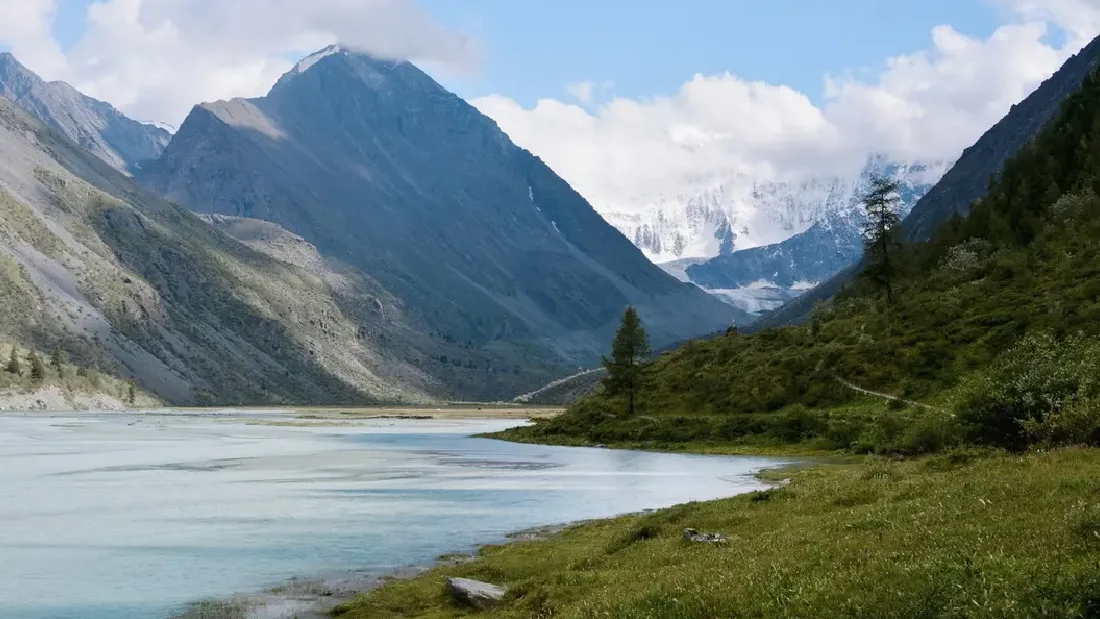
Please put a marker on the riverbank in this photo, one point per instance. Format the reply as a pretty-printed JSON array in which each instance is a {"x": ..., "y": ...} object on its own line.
[
  {"x": 527, "y": 435},
  {"x": 960, "y": 534},
  {"x": 317, "y": 598},
  {"x": 460, "y": 411}
]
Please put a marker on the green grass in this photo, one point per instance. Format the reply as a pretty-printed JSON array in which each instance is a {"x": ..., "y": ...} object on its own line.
[
  {"x": 960, "y": 534},
  {"x": 752, "y": 447}
]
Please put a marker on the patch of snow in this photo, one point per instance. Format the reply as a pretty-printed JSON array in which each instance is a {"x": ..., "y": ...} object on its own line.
[
  {"x": 678, "y": 268},
  {"x": 803, "y": 285},
  {"x": 531, "y": 194},
  {"x": 720, "y": 215},
  {"x": 556, "y": 228},
  {"x": 760, "y": 296},
  {"x": 159, "y": 125},
  {"x": 753, "y": 300},
  {"x": 305, "y": 63}
]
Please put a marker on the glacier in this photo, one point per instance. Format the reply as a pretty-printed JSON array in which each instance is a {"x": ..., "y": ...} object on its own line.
[{"x": 757, "y": 243}]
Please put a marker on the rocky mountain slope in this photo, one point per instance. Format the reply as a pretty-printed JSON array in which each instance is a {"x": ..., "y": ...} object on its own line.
[
  {"x": 139, "y": 287},
  {"x": 387, "y": 173},
  {"x": 969, "y": 178},
  {"x": 97, "y": 126}
]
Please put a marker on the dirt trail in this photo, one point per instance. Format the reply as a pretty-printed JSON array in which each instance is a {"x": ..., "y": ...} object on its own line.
[{"x": 886, "y": 396}]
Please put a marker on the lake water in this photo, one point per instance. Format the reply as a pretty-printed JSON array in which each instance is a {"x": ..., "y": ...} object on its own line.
[{"x": 131, "y": 517}]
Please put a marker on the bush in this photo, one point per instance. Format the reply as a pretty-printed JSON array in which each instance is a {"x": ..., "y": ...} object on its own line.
[
  {"x": 1078, "y": 424},
  {"x": 1040, "y": 388},
  {"x": 931, "y": 432}
]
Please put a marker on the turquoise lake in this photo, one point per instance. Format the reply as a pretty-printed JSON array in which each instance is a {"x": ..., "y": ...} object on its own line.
[{"x": 120, "y": 516}]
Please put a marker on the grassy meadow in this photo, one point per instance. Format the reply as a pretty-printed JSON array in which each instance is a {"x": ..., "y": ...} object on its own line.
[{"x": 966, "y": 533}]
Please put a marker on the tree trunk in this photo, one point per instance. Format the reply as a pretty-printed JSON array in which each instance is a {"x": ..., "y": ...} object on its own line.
[{"x": 884, "y": 232}]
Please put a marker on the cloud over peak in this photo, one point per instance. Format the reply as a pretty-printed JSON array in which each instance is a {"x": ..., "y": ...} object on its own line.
[
  {"x": 928, "y": 105},
  {"x": 154, "y": 59}
]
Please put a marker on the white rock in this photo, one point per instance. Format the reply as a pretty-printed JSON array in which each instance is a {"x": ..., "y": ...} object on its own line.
[{"x": 475, "y": 593}]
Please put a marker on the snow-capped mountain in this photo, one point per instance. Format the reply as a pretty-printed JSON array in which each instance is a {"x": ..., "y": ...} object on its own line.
[
  {"x": 757, "y": 244},
  {"x": 733, "y": 214}
]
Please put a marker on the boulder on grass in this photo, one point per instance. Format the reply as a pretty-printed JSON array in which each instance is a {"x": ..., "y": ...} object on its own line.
[
  {"x": 691, "y": 535},
  {"x": 481, "y": 595}
]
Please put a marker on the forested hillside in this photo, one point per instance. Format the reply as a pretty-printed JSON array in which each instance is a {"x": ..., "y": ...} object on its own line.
[{"x": 993, "y": 331}]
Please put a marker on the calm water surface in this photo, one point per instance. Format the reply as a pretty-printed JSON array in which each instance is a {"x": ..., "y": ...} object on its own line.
[{"x": 131, "y": 517}]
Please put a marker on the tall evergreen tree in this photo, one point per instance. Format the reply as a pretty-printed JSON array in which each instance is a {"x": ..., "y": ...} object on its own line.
[
  {"x": 881, "y": 233},
  {"x": 13, "y": 366},
  {"x": 38, "y": 368},
  {"x": 57, "y": 359},
  {"x": 629, "y": 354}
]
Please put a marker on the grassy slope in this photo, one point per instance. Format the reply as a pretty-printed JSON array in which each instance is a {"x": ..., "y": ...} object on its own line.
[{"x": 954, "y": 535}]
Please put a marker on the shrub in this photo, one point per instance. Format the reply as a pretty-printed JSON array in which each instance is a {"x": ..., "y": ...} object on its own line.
[
  {"x": 1032, "y": 389},
  {"x": 1077, "y": 424},
  {"x": 931, "y": 432},
  {"x": 967, "y": 256}
]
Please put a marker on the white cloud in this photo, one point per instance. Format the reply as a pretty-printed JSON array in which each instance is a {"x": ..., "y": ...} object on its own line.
[
  {"x": 926, "y": 105},
  {"x": 1079, "y": 18},
  {"x": 582, "y": 91},
  {"x": 154, "y": 59},
  {"x": 25, "y": 27}
]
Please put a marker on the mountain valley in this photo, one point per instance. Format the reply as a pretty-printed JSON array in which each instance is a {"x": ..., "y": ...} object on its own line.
[{"x": 405, "y": 253}]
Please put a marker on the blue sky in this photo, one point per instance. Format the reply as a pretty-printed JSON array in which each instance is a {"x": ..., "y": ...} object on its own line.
[
  {"x": 533, "y": 48},
  {"x": 700, "y": 89}
]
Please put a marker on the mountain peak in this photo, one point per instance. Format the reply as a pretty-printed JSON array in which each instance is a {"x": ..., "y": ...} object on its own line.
[
  {"x": 93, "y": 124},
  {"x": 384, "y": 171},
  {"x": 336, "y": 50}
]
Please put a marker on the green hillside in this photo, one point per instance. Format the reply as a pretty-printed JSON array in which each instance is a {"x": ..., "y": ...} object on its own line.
[{"x": 993, "y": 333}]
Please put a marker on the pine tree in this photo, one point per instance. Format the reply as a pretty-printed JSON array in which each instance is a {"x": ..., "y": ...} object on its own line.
[
  {"x": 131, "y": 395},
  {"x": 881, "y": 233},
  {"x": 13, "y": 366},
  {"x": 57, "y": 359},
  {"x": 38, "y": 368},
  {"x": 629, "y": 354}
]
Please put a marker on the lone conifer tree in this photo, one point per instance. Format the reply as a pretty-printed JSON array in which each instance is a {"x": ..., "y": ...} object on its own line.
[
  {"x": 57, "y": 359},
  {"x": 38, "y": 368},
  {"x": 880, "y": 233},
  {"x": 13, "y": 366},
  {"x": 629, "y": 354}
]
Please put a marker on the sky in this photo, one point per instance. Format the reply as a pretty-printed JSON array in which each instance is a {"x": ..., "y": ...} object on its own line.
[{"x": 627, "y": 99}]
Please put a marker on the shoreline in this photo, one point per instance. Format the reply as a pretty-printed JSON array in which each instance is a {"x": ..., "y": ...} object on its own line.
[
  {"x": 315, "y": 597},
  {"x": 442, "y": 412}
]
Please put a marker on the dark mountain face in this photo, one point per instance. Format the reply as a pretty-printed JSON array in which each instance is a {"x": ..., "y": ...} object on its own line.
[
  {"x": 94, "y": 265},
  {"x": 969, "y": 178},
  {"x": 97, "y": 126},
  {"x": 810, "y": 256},
  {"x": 385, "y": 171}
]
